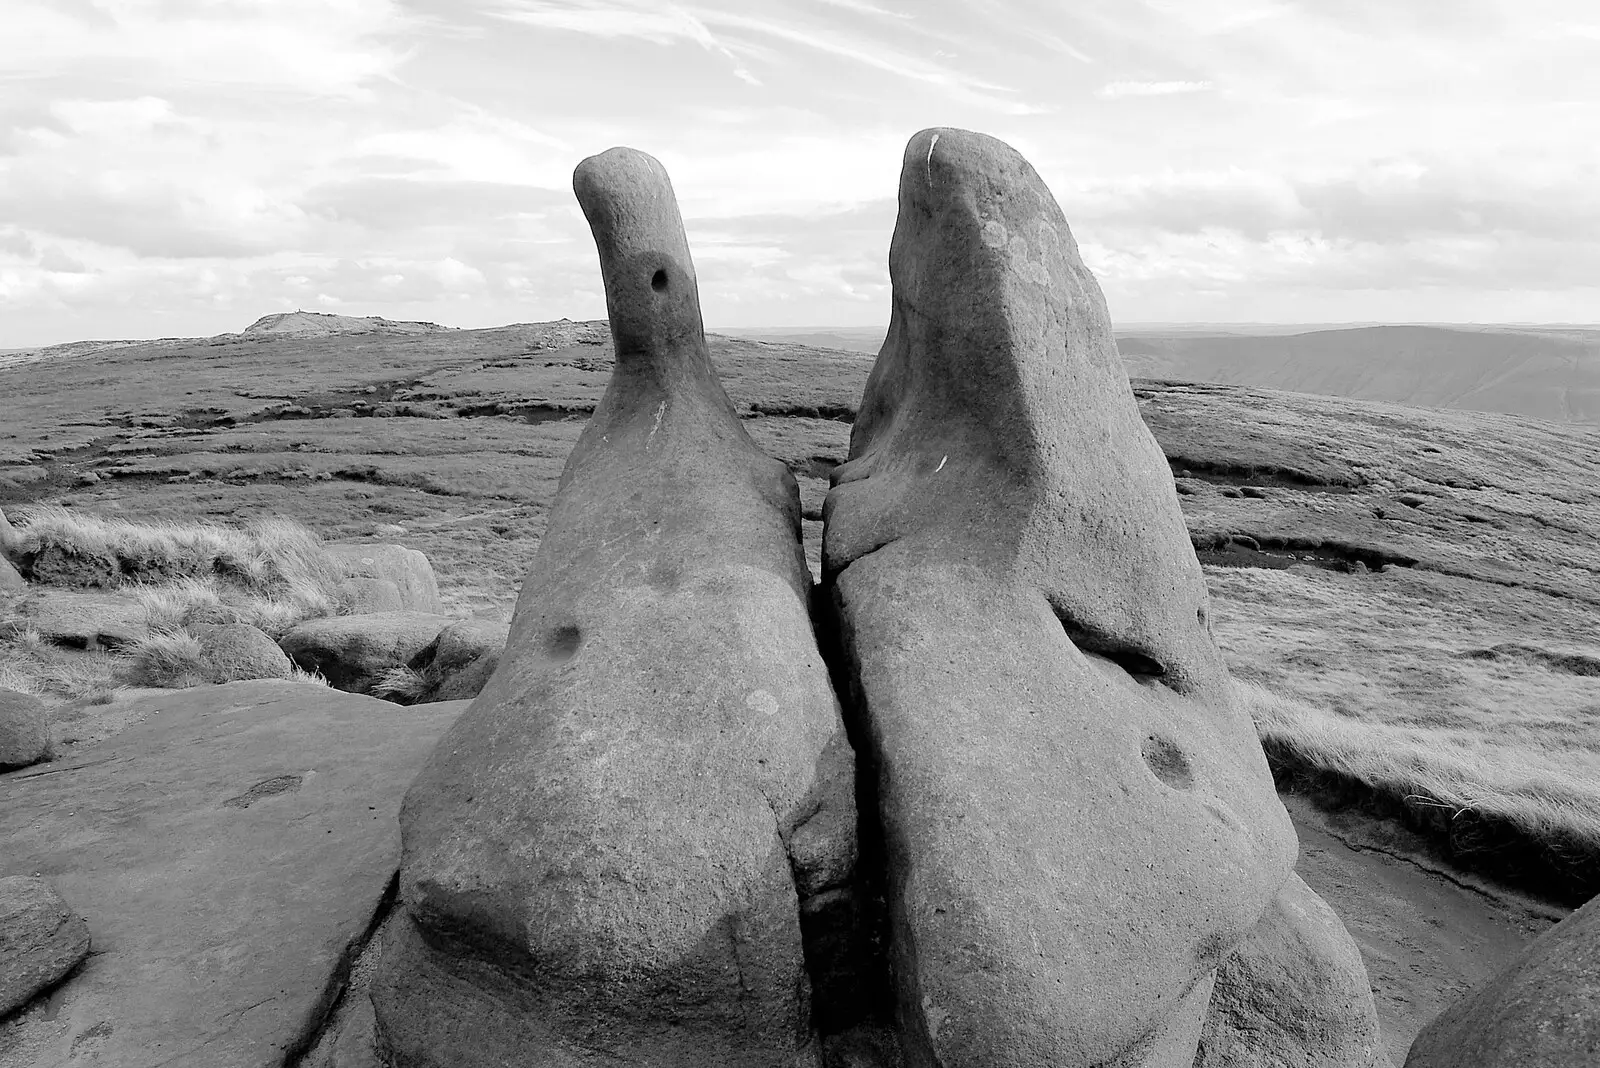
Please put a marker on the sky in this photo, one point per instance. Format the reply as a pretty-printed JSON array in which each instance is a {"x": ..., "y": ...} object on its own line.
[{"x": 182, "y": 167}]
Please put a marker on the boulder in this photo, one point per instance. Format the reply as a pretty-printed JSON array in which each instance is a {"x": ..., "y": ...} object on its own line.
[
  {"x": 615, "y": 856},
  {"x": 1295, "y": 994},
  {"x": 408, "y": 569},
  {"x": 11, "y": 581},
  {"x": 352, "y": 652},
  {"x": 1079, "y": 822},
  {"x": 458, "y": 663},
  {"x": 229, "y": 855},
  {"x": 24, "y": 730},
  {"x": 86, "y": 619},
  {"x": 363, "y": 596},
  {"x": 10, "y": 539},
  {"x": 235, "y": 652},
  {"x": 41, "y": 940},
  {"x": 1543, "y": 1011}
]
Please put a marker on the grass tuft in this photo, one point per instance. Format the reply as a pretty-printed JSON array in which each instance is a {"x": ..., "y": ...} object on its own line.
[
  {"x": 268, "y": 558},
  {"x": 402, "y": 685},
  {"x": 311, "y": 678},
  {"x": 170, "y": 660},
  {"x": 1490, "y": 793}
]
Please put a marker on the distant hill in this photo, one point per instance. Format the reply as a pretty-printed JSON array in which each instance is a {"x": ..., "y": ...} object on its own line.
[
  {"x": 868, "y": 339},
  {"x": 301, "y": 324},
  {"x": 1546, "y": 372},
  {"x": 321, "y": 324}
]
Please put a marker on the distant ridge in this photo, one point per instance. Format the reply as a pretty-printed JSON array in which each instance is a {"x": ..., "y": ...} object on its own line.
[
  {"x": 322, "y": 324},
  {"x": 1548, "y": 372}
]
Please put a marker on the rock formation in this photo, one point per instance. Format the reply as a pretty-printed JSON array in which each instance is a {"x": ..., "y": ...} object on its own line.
[
  {"x": 614, "y": 856},
  {"x": 1541, "y": 1012},
  {"x": 1078, "y": 821},
  {"x": 11, "y": 581},
  {"x": 24, "y": 730},
  {"x": 354, "y": 652},
  {"x": 228, "y": 851},
  {"x": 1294, "y": 994},
  {"x": 409, "y": 570},
  {"x": 41, "y": 940},
  {"x": 235, "y": 652},
  {"x": 459, "y": 662}
]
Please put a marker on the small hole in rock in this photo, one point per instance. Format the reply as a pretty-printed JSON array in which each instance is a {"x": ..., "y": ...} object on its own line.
[
  {"x": 658, "y": 281},
  {"x": 563, "y": 643},
  {"x": 1167, "y": 762}
]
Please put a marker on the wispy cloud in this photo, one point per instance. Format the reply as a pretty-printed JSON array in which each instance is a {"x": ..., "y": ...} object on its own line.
[
  {"x": 1112, "y": 90},
  {"x": 863, "y": 7},
  {"x": 176, "y": 166},
  {"x": 661, "y": 23}
]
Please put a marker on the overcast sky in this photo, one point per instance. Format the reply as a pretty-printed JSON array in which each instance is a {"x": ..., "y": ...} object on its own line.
[{"x": 181, "y": 167}]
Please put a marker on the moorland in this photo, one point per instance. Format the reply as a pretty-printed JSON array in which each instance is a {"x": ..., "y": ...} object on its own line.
[
  {"x": 1549, "y": 372},
  {"x": 1410, "y": 597}
]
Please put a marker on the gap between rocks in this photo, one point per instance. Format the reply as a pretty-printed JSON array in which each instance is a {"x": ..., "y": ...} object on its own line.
[{"x": 336, "y": 992}]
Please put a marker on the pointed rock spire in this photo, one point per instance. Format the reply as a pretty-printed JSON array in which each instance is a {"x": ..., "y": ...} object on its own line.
[
  {"x": 617, "y": 855},
  {"x": 1079, "y": 821}
]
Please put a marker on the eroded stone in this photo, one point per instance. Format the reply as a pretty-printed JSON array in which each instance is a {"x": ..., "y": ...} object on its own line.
[
  {"x": 1079, "y": 821},
  {"x": 604, "y": 861}
]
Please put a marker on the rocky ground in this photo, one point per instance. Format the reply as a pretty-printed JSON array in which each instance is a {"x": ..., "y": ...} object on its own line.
[
  {"x": 1426, "y": 582},
  {"x": 1427, "y": 579}
]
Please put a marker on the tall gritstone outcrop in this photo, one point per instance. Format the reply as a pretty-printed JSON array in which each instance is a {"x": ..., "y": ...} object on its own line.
[
  {"x": 1078, "y": 822},
  {"x": 619, "y": 853}
]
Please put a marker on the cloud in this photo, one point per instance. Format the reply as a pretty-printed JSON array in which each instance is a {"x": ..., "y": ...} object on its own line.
[
  {"x": 862, "y": 7},
  {"x": 311, "y": 47},
  {"x": 179, "y": 166},
  {"x": 660, "y": 23},
  {"x": 1113, "y": 90},
  {"x": 728, "y": 30}
]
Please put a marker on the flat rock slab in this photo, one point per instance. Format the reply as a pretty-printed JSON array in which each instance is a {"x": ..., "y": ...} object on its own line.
[
  {"x": 226, "y": 852},
  {"x": 1426, "y": 941},
  {"x": 86, "y": 620}
]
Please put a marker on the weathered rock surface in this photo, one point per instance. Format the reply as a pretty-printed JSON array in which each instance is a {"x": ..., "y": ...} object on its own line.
[
  {"x": 364, "y": 596},
  {"x": 235, "y": 652},
  {"x": 41, "y": 940},
  {"x": 1541, "y": 1012},
  {"x": 408, "y": 569},
  {"x": 1295, "y": 994},
  {"x": 227, "y": 854},
  {"x": 607, "y": 858},
  {"x": 11, "y": 581},
  {"x": 86, "y": 619},
  {"x": 351, "y": 652},
  {"x": 458, "y": 663},
  {"x": 1079, "y": 822},
  {"x": 24, "y": 730}
]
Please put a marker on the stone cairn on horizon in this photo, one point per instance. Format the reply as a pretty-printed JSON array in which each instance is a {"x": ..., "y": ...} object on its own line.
[{"x": 983, "y": 798}]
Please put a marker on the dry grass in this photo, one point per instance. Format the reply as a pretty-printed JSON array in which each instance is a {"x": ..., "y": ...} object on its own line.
[
  {"x": 274, "y": 558},
  {"x": 173, "y": 660},
  {"x": 310, "y": 678},
  {"x": 272, "y": 573},
  {"x": 402, "y": 685},
  {"x": 1550, "y": 792},
  {"x": 58, "y": 676},
  {"x": 1470, "y": 711},
  {"x": 169, "y": 608}
]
